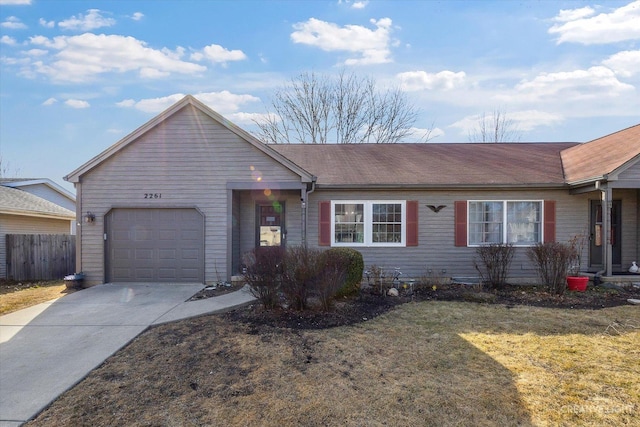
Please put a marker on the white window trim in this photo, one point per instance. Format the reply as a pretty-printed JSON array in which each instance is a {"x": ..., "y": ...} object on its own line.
[
  {"x": 368, "y": 223},
  {"x": 504, "y": 221}
]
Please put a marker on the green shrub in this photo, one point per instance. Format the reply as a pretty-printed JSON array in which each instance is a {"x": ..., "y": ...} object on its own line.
[
  {"x": 263, "y": 274},
  {"x": 354, "y": 268}
]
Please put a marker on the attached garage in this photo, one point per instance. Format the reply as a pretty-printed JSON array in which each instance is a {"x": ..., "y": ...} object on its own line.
[{"x": 154, "y": 245}]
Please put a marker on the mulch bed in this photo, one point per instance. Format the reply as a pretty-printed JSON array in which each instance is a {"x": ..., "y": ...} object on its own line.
[{"x": 368, "y": 304}]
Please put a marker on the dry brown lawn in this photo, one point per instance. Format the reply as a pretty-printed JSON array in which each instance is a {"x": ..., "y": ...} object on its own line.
[
  {"x": 430, "y": 363},
  {"x": 18, "y": 295}
]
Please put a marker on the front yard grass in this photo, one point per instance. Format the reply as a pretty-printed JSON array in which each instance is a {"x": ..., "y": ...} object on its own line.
[
  {"x": 18, "y": 295},
  {"x": 430, "y": 363}
]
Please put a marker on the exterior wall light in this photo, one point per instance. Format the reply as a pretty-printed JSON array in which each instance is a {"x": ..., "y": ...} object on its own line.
[{"x": 89, "y": 218}]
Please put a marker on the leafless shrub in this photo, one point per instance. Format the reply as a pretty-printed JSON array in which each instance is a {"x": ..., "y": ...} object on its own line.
[
  {"x": 263, "y": 274},
  {"x": 333, "y": 275},
  {"x": 493, "y": 262},
  {"x": 300, "y": 275},
  {"x": 552, "y": 260}
]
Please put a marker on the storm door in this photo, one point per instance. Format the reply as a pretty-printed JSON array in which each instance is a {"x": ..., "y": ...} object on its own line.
[
  {"x": 270, "y": 221},
  {"x": 597, "y": 235}
]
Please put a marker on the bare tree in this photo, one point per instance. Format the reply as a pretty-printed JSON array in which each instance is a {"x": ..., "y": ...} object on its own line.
[
  {"x": 345, "y": 109},
  {"x": 5, "y": 169},
  {"x": 497, "y": 127}
]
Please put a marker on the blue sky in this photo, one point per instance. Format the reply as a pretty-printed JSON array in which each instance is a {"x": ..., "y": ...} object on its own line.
[{"x": 77, "y": 76}]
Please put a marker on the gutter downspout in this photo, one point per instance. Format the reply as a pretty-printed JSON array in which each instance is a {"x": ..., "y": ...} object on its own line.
[
  {"x": 609, "y": 238},
  {"x": 606, "y": 196},
  {"x": 79, "y": 226},
  {"x": 304, "y": 200}
]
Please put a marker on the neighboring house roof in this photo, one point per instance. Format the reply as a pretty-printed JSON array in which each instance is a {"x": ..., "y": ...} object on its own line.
[
  {"x": 601, "y": 157},
  {"x": 18, "y": 202},
  {"x": 430, "y": 165},
  {"x": 184, "y": 102},
  {"x": 25, "y": 182}
]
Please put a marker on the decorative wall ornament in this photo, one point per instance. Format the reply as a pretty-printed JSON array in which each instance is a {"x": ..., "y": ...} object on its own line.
[{"x": 435, "y": 208}]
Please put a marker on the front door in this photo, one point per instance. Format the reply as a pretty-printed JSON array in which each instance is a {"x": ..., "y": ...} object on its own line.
[
  {"x": 597, "y": 236},
  {"x": 270, "y": 223}
]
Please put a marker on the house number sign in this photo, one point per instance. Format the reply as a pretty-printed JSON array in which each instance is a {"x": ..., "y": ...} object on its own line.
[{"x": 153, "y": 195}]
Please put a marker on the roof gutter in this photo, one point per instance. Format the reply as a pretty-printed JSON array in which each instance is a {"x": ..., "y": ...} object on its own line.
[
  {"x": 37, "y": 215},
  {"x": 361, "y": 186}
]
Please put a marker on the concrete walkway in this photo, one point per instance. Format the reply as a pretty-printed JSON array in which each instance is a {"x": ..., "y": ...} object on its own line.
[{"x": 48, "y": 348}]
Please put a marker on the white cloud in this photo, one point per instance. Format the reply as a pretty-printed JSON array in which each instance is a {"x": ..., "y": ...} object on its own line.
[
  {"x": 13, "y": 23},
  {"x": 47, "y": 24},
  {"x": 224, "y": 102},
  {"x": 76, "y": 103},
  {"x": 218, "y": 54},
  {"x": 421, "y": 80},
  {"x": 625, "y": 64},
  {"x": 566, "y": 15},
  {"x": 245, "y": 118},
  {"x": 355, "y": 4},
  {"x": 371, "y": 45},
  {"x": 36, "y": 52},
  {"x": 153, "y": 73},
  {"x": 92, "y": 20},
  {"x": 137, "y": 16},
  {"x": 419, "y": 134},
  {"x": 15, "y": 2},
  {"x": 126, "y": 103},
  {"x": 595, "y": 83},
  {"x": 528, "y": 120},
  {"x": 525, "y": 120},
  {"x": 49, "y": 101},
  {"x": 152, "y": 105},
  {"x": 83, "y": 57},
  {"x": 8, "y": 40},
  {"x": 580, "y": 26}
]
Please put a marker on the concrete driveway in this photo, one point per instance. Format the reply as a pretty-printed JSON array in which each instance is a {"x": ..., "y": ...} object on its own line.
[{"x": 48, "y": 348}]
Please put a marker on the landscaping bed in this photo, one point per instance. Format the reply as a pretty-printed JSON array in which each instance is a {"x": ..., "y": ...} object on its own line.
[{"x": 370, "y": 304}]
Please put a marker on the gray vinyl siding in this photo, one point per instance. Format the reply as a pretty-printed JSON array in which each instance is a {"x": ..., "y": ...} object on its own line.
[
  {"x": 235, "y": 233},
  {"x": 630, "y": 225},
  {"x": 633, "y": 173},
  {"x": 436, "y": 250},
  {"x": 188, "y": 159},
  {"x": 15, "y": 224}
]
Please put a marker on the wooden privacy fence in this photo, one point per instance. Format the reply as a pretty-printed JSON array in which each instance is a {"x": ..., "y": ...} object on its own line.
[{"x": 40, "y": 256}]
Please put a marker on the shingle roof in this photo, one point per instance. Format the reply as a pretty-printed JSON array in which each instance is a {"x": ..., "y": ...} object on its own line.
[
  {"x": 429, "y": 164},
  {"x": 602, "y": 156},
  {"x": 18, "y": 202}
]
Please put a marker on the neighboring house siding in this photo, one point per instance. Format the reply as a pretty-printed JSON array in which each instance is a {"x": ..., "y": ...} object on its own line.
[
  {"x": 45, "y": 192},
  {"x": 13, "y": 224},
  {"x": 436, "y": 248},
  {"x": 188, "y": 159}
]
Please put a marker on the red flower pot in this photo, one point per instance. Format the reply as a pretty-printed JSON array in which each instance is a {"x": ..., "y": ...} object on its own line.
[{"x": 575, "y": 283}]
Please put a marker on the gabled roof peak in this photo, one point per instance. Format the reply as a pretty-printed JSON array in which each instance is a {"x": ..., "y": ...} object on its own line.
[
  {"x": 173, "y": 109},
  {"x": 600, "y": 157}
]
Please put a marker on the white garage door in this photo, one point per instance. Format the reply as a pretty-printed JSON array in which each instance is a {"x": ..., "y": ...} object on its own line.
[{"x": 155, "y": 245}]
